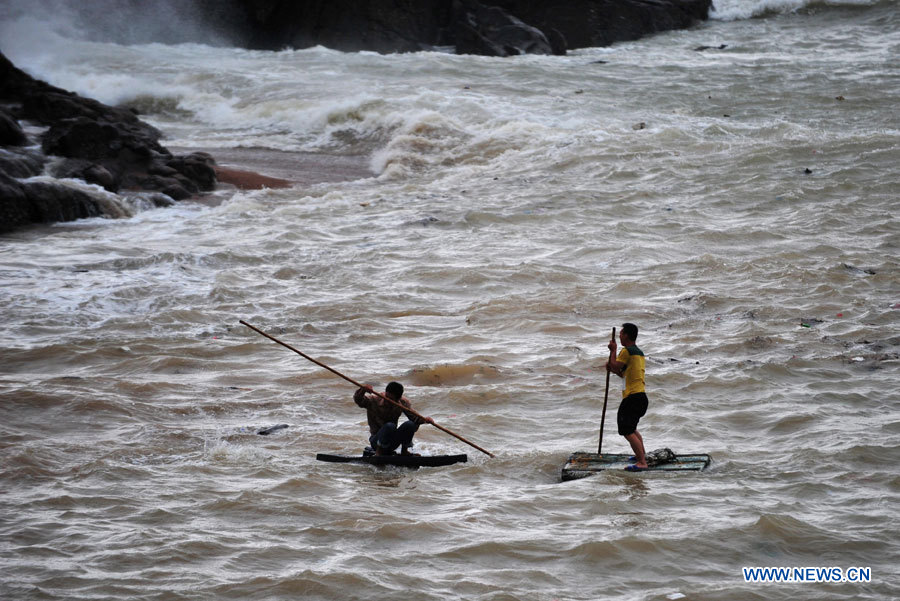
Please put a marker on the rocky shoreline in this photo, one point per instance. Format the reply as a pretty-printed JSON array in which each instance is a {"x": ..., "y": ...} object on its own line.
[
  {"x": 484, "y": 27},
  {"x": 494, "y": 28},
  {"x": 81, "y": 139}
]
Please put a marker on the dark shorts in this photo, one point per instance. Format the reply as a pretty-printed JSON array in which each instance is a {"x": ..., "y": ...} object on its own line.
[
  {"x": 390, "y": 436},
  {"x": 632, "y": 409}
]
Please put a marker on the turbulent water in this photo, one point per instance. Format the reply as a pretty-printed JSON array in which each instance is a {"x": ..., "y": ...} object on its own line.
[{"x": 473, "y": 227}]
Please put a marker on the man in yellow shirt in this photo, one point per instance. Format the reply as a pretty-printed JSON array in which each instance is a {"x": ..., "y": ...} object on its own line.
[{"x": 629, "y": 365}]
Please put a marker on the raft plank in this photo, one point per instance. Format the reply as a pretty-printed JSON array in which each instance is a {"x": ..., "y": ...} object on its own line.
[
  {"x": 582, "y": 465},
  {"x": 399, "y": 460}
]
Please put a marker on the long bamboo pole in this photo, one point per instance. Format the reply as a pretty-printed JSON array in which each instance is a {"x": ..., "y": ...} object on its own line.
[
  {"x": 358, "y": 385},
  {"x": 605, "y": 397}
]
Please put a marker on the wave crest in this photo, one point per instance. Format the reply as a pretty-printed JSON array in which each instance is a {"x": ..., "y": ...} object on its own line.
[{"x": 736, "y": 10}]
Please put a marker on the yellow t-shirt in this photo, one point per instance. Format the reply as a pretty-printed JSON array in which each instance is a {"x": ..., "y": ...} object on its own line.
[{"x": 633, "y": 358}]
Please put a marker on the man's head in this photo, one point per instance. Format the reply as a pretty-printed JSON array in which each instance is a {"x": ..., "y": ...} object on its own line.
[
  {"x": 394, "y": 390},
  {"x": 630, "y": 331}
]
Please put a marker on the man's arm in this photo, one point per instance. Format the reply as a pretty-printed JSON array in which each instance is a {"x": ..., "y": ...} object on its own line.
[
  {"x": 360, "y": 398},
  {"x": 614, "y": 365}
]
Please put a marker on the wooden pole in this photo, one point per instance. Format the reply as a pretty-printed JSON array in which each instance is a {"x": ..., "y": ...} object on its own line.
[
  {"x": 358, "y": 385},
  {"x": 605, "y": 397}
]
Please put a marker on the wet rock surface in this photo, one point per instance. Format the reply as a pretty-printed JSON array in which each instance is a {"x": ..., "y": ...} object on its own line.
[
  {"x": 498, "y": 28},
  {"x": 87, "y": 140}
]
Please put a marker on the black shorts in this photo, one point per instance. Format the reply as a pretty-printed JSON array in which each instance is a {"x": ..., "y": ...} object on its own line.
[{"x": 631, "y": 410}]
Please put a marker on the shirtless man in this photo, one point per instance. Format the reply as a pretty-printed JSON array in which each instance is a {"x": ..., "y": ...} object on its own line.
[{"x": 384, "y": 433}]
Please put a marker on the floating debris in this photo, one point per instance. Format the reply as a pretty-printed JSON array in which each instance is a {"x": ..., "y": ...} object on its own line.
[
  {"x": 858, "y": 270},
  {"x": 270, "y": 429}
]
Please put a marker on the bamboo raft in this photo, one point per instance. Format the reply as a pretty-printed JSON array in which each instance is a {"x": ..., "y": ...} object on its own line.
[{"x": 582, "y": 465}]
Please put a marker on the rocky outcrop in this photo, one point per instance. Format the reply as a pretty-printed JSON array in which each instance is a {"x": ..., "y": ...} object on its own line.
[
  {"x": 100, "y": 144},
  {"x": 379, "y": 25},
  {"x": 40, "y": 202},
  {"x": 494, "y": 27},
  {"x": 11, "y": 133},
  {"x": 597, "y": 23},
  {"x": 387, "y": 25},
  {"x": 492, "y": 31}
]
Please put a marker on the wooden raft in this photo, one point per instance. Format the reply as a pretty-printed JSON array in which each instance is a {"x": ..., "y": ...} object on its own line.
[
  {"x": 412, "y": 461},
  {"x": 582, "y": 465}
]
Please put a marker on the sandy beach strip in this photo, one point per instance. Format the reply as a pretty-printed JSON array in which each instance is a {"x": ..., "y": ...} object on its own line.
[{"x": 257, "y": 168}]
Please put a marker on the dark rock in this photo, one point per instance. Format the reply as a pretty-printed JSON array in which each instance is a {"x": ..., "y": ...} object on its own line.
[
  {"x": 491, "y": 31},
  {"x": 51, "y": 105},
  {"x": 85, "y": 138},
  {"x": 558, "y": 43},
  {"x": 470, "y": 41},
  {"x": 88, "y": 171},
  {"x": 199, "y": 167},
  {"x": 160, "y": 200},
  {"x": 15, "y": 209},
  {"x": 163, "y": 170},
  {"x": 17, "y": 83},
  {"x": 21, "y": 162},
  {"x": 593, "y": 23},
  {"x": 178, "y": 188},
  {"x": 379, "y": 25},
  {"x": 54, "y": 202},
  {"x": 22, "y": 204},
  {"x": 177, "y": 191},
  {"x": 100, "y": 144},
  {"x": 410, "y": 25},
  {"x": 11, "y": 133}
]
